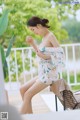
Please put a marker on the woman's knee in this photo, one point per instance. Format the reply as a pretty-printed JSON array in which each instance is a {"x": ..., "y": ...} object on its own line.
[
  {"x": 26, "y": 86},
  {"x": 28, "y": 95},
  {"x": 22, "y": 91}
]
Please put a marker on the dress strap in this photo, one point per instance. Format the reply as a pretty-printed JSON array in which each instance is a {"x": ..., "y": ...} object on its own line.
[{"x": 47, "y": 36}]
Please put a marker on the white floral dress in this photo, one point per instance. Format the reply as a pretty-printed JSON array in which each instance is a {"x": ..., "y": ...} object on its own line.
[{"x": 48, "y": 70}]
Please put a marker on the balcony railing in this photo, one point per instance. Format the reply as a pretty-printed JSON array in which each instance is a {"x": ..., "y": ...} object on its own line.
[{"x": 22, "y": 64}]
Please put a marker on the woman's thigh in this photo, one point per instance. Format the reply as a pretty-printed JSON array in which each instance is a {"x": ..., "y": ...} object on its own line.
[
  {"x": 28, "y": 84},
  {"x": 35, "y": 88}
]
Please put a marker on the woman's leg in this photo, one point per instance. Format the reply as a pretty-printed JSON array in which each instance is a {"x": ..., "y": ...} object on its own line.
[
  {"x": 26, "y": 86},
  {"x": 33, "y": 90}
]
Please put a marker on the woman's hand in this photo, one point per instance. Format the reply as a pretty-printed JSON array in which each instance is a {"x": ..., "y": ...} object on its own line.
[{"x": 29, "y": 40}]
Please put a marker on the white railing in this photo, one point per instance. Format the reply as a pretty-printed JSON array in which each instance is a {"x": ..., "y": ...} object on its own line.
[
  {"x": 72, "y": 63},
  {"x": 22, "y": 60}
]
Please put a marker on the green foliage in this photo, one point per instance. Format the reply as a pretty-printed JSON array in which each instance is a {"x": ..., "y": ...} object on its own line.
[
  {"x": 21, "y": 11},
  {"x": 73, "y": 28},
  {"x": 74, "y": 87},
  {"x": 10, "y": 45},
  {"x": 5, "y": 67},
  {"x": 4, "y": 63},
  {"x": 2, "y": 54},
  {"x": 3, "y": 27},
  {"x": 4, "y": 22}
]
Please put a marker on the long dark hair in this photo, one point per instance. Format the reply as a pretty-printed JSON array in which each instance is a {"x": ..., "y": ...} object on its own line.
[{"x": 33, "y": 21}]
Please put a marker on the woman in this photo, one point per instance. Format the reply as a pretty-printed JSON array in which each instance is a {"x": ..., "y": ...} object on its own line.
[{"x": 50, "y": 58}]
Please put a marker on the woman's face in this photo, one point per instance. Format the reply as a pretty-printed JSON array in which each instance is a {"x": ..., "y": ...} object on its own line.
[{"x": 37, "y": 30}]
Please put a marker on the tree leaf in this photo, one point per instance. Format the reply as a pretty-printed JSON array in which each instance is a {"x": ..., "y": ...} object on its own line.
[
  {"x": 2, "y": 54},
  {"x": 4, "y": 22},
  {"x": 10, "y": 45}
]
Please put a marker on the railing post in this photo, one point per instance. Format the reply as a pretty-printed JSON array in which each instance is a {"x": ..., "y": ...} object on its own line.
[{"x": 3, "y": 98}]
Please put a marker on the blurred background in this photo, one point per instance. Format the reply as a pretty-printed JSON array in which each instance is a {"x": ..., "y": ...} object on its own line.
[{"x": 64, "y": 19}]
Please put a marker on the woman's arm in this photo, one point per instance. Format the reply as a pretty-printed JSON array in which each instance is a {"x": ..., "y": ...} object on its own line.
[
  {"x": 41, "y": 55},
  {"x": 38, "y": 52}
]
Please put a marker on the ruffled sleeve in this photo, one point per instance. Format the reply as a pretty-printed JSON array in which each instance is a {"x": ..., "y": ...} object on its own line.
[{"x": 57, "y": 57}]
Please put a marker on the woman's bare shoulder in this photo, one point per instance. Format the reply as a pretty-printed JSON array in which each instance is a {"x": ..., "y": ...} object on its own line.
[
  {"x": 52, "y": 36},
  {"x": 53, "y": 40}
]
